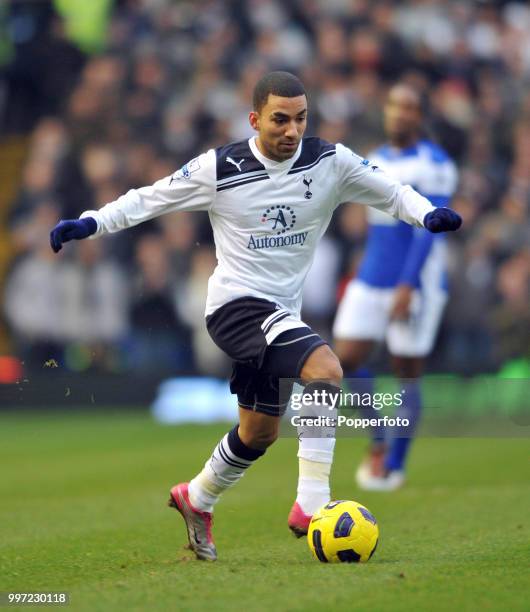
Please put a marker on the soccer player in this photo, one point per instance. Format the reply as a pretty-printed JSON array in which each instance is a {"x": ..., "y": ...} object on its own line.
[
  {"x": 400, "y": 290},
  {"x": 270, "y": 199}
]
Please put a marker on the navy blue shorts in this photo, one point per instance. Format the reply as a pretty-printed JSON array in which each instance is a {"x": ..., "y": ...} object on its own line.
[{"x": 245, "y": 329}]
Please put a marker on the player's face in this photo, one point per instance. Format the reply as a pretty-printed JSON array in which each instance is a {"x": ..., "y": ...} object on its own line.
[
  {"x": 280, "y": 124},
  {"x": 402, "y": 115}
]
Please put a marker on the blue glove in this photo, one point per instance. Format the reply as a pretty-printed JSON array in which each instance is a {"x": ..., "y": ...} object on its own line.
[
  {"x": 442, "y": 220},
  {"x": 75, "y": 229}
]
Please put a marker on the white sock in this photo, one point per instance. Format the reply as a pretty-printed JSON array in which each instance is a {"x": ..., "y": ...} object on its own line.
[
  {"x": 316, "y": 444},
  {"x": 314, "y": 466},
  {"x": 222, "y": 470}
]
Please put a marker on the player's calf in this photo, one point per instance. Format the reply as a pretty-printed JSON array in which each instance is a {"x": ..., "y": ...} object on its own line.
[{"x": 257, "y": 430}]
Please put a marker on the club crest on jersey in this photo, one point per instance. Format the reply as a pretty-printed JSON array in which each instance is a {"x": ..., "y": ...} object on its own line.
[
  {"x": 281, "y": 218},
  {"x": 307, "y": 181}
]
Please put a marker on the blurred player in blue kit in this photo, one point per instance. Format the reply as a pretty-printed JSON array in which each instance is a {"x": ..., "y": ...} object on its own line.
[
  {"x": 400, "y": 290},
  {"x": 270, "y": 199}
]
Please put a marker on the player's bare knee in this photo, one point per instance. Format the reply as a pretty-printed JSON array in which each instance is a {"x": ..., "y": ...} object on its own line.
[
  {"x": 331, "y": 372},
  {"x": 322, "y": 364}
]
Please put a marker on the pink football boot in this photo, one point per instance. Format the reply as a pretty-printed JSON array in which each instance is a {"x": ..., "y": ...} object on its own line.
[
  {"x": 198, "y": 523},
  {"x": 298, "y": 521}
]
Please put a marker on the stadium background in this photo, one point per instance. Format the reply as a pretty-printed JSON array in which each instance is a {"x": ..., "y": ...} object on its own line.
[{"x": 100, "y": 97}]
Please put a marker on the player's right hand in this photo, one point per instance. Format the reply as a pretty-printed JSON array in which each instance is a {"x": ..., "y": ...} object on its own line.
[{"x": 72, "y": 229}]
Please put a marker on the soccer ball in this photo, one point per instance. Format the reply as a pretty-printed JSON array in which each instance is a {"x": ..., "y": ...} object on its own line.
[{"x": 343, "y": 532}]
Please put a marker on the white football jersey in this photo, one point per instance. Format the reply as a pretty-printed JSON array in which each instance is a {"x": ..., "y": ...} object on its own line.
[{"x": 267, "y": 216}]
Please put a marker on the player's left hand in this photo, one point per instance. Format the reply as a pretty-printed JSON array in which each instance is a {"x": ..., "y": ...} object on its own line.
[
  {"x": 71, "y": 229},
  {"x": 402, "y": 300},
  {"x": 442, "y": 219}
]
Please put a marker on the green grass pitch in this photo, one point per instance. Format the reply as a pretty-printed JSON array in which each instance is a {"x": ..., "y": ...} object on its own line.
[{"x": 83, "y": 509}]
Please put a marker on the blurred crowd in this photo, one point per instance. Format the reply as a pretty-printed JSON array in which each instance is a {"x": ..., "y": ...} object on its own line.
[{"x": 174, "y": 79}]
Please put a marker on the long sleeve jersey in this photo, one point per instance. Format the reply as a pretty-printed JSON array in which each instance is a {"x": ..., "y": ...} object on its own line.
[{"x": 267, "y": 216}]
